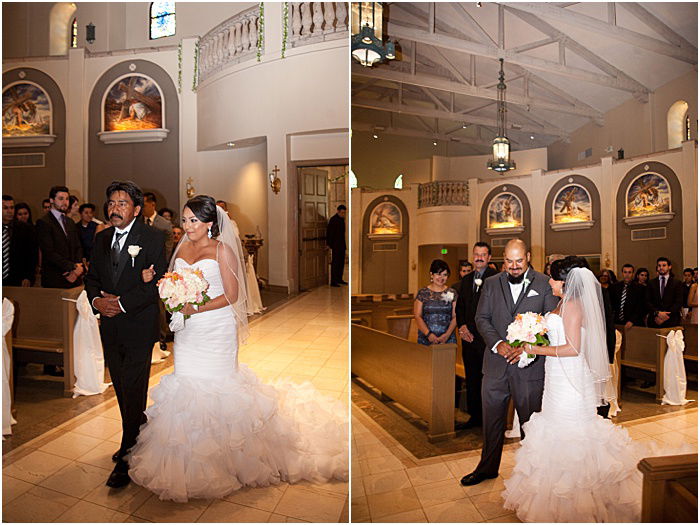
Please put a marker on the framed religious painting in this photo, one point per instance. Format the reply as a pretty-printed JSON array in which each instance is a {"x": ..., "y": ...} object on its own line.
[
  {"x": 505, "y": 214},
  {"x": 27, "y": 115},
  {"x": 648, "y": 200},
  {"x": 385, "y": 221},
  {"x": 572, "y": 209}
]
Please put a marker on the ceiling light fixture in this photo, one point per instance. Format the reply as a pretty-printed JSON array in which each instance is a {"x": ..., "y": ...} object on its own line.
[
  {"x": 366, "y": 43},
  {"x": 501, "y": 160}
]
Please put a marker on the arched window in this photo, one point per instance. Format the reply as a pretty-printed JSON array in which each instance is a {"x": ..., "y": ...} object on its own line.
[
  {"x": 162, "y": 19},
  {"x": 676, "y": 123},
  {"x": 353, "y": 180},
  {"x": 398, "y": 183},
  {"x": 74, "y": 33},
  {"x": 60, "y": 26}
]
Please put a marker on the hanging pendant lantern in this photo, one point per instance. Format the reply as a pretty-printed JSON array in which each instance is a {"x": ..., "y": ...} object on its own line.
[
  {"x": 500, "y": 160},
  {"x": 366, "y": 45}
]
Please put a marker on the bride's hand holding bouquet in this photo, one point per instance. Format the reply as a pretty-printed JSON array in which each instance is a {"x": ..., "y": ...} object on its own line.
[
  {"x": 527, "y": 328},
  {"x": 182, "y": 290}
]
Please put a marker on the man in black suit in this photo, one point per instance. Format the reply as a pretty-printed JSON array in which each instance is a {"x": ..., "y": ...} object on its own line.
[
  {"x": 20, "y": 251},
  {"x": 128, "y": 307},
  {"x": 627, "y": 299},
  {"x": 335, "y": 239},
  {"x": 664, "y": 298},
  {"x": 468, "y": 293},
  {"x": 519, "y": 289},
  {"x": 59, "y": 240}
]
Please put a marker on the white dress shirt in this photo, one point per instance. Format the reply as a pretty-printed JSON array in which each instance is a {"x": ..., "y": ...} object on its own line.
[
  {"x": 122, "y": 242},
  {"x": 515, "y": 290}
]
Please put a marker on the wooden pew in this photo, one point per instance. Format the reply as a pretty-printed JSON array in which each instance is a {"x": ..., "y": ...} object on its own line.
[
  {"x": 363, "y": 317},
  {"x": 690, "y": 336},
  {"x": 419, "y": 377},
  {"x": 642, "y": 348},
  {"x": 401, "y": 325},
  {"x": 42, "y": 331},
  {"x": 670, "y": 489}
]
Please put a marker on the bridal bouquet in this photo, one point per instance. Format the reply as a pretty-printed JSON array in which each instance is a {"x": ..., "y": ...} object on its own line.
[
  {"x": 527, "y": 328},
  {"x": 186, "y": 286}
]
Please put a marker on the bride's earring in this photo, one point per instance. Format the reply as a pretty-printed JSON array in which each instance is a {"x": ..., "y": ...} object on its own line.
[{"x": 209, "y": 233}]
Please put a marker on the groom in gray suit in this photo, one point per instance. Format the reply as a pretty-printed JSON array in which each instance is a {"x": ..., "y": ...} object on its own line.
[{"x": 519, "y": 289}]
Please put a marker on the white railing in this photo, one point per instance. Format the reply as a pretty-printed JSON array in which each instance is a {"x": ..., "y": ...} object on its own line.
[
  {"x": 231, "y": 42},
  {"x": 443, "y": 193},
  {"x": 311, "y": 22}
]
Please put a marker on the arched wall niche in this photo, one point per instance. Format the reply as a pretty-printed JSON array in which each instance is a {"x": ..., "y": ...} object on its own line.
[
  {"x": 154, "y": 166},
  {"x": 578, "y": 242},
  {"x": 60, "y": 25},
  {"x": 385, "y": 260},
  {"x": 645, "y": 252},
  {"x": 675, "y": 123},
  {"x": 32, "y": 184},
  {"x": 484, "y": 235}
]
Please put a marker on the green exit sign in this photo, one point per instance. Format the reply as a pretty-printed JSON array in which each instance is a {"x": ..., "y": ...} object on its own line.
[{"x": 443, "y": 251}]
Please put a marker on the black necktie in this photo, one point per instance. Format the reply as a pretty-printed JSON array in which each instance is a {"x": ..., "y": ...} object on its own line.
[
  {"x": 621, "y": 315},
  {"x": 5, "y": 251},
  {"x": 663, "y": 284},
  {"x": 116, "y": 251},
  {"x": 64, "y": 220},
  {"x": 148, "y": 221}
]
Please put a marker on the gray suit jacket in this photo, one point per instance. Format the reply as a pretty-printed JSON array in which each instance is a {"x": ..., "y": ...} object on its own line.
[
  {"x": 496, "y": 311},
  {"x": 164, "y": 225}
]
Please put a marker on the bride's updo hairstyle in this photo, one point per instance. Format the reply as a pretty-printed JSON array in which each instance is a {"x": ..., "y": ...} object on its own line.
[
  {"x": 204, "y": 208},
  {"x": 560, "y": 268}
]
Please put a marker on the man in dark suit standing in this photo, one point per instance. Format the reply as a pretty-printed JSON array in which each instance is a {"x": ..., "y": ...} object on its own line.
[
  {"x": 61, "y": 251},
  {"x": 151, "y": 218},
  {"x": 468, "y": 293},
  {"x": 664, "y": 297},
  {"x": 519, "y": 289},
  {"x": 20, "y": 251},
  {"x": 129, "y": 308},
  {"x": 627, "y": 299},
  {"x": 335, "y": 239}
]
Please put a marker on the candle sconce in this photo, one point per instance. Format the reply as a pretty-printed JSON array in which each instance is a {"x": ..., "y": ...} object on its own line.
[
  {"x": 190, "y": 188},
  {"x": 275, "y": 182}
]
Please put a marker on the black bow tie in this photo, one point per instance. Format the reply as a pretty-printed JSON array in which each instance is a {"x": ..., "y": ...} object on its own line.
[{"x": 516, "y": 280}]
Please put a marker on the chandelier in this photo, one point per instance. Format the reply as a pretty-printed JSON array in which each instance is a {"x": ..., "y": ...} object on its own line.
[
  {"x": 366, "y": 44},
  {"x": 501, "y": 145}
]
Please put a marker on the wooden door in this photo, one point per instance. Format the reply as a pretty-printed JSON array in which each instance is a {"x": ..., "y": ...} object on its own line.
[{"x": 313, "y": 220}]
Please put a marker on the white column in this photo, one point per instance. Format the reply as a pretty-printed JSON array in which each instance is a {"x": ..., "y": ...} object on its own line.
[
  {"x": 277, "y": 209},
  {"x": 608, "y": 212},
  {"x": 188, "y": 123},
  {"x": 689, "y": 183},
  {"x": 273, "y": 30},
  {"x": 355, "y": 234},
  {"x": 536, "y": 195},
  {"x": 77, "y": 101}
]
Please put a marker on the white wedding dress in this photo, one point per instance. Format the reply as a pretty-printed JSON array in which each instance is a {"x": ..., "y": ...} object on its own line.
[
  {"x": 214, "y": 427},
  {"x": 573, "y": 465}
]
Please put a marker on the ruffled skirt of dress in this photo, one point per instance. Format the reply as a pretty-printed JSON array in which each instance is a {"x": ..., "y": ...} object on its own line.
[{"x": 214, "y": 427}]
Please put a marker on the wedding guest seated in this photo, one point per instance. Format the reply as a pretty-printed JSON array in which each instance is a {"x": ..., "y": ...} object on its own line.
[
  {"x": 167, "y": 214},
  {"x": 434, "y": 308},
  {"x": 465, "y": 268},
  {"x": 627, "y": 299},
  {"x": 87, "y": 228},
  {"x": 23, "y": 213},
  {"x": 606, "y": 278},
  {"x": 20, "y": 250},
  {"x": 664, "y": 297},
  {"x": 641, "y": 276}
]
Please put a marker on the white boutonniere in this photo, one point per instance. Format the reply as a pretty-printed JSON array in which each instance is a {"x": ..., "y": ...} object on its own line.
[
  {"x": 478, "y": 282},
  {"x": 527, "y": 283},
  {"x": 448, "y": 296},
  {"x": 133, "y": 251}
]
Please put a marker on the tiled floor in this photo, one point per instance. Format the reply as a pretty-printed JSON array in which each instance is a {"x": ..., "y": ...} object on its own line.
[
  {"x": 391, "y": 485},
  {"x": 60, "y": 476}
]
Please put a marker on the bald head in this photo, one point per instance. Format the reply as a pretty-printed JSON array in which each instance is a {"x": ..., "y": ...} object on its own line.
[{"x": 516, "y": 257}]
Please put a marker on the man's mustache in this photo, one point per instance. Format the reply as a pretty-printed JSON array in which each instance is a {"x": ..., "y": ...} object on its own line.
[{"x": 115, "y": 216}]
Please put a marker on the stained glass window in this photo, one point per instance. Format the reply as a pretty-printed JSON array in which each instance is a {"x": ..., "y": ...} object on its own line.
[
  {"x": 398, "y": 183},
  {"x": 162, "y": 19},
  {"x": 74, "y": 33},
  {"x": 353, "y": 180}
]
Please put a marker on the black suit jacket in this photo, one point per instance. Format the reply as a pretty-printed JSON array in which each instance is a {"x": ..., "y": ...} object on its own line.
[
  {"x": 635, "y": 302},
  {"x": 59, "y": 251},
  {"x": 335, "y": 233},
  {"x": 140, "y": 300},
  {"x": 24, "y": 253},
  {"x": 468, "y": 299},
  {"x": 672, "y": 301}
]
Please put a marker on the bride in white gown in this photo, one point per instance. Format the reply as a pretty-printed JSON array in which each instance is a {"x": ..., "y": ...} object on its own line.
[
  {"x": 573, "y": 465},
  {"x": 213, "y": 426}
]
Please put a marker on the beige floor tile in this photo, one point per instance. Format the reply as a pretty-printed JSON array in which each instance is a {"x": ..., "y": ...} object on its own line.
[
  {"x": 227, "y": 512},
  {"x": 410, "y": 516},
  {"x": 490, "y": 505},
  {"x": 508, "y": 518},
  {"x": 76, "y": 479},
  {"x": 462, "y": 467},
  {"x": 13, "y": 488},
  {"x": 302, "y": 503},
  {"x": 116, "y": 438},
  {"x": 359, "y": 509},
  {"x": 262, "y": 498},
  {"x": 440, "y": 492},
  {"x": 99, "y": 427},
  {"x": 331, "y": 488},
  {"x": 673, "y": 439},
  {"x": 36, "y": 466},
  {"x": 392, "y": 502},
  {"x": 71, "y": 445},
  {"x": 488, "y": 485},
  {"x": 372, "y": 451},
  {"x": 358, "y": 486},
  {"x": 36, "y": 506},
  {"x": 459, "y": 511},
  {"x": 169, "y": 511},
  {"x": 386, "y": 482},
  {"x": 651, "y": 428},
  {"x": 112, "y": 413},
  {"x": 126, "y": 499},
  {"x": 86, "y": 512},
  {"x": 279, "y": 518},
  {"x": 100, "y": 456},
  {"x": 384, "y": 464},
  {"x": 429, "y": 474}
]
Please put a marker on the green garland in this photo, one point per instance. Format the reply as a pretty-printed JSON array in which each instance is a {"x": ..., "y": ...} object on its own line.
[
  {"x": 195, "y": 78},
  {"x": 179, "y": 67},
  {"x": 285, "y": 27},
  {"x": 261, "y": 29}
]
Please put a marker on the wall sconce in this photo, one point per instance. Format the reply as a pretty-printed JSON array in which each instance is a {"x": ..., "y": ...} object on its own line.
[
  {"x": 275, "y": 182},
  {"x": 90, "y": 33},
  {"x": 190, "y": 188}
]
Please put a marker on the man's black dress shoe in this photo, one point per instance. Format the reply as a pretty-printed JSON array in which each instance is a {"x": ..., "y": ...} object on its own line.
[
  {"x": 475, "y": 478},
  {"x": 335, "y": 285},
  {"x": 117, "y": 456},
  {"x": 119, "y": 476},
  {"x": 343, "y": 282}
]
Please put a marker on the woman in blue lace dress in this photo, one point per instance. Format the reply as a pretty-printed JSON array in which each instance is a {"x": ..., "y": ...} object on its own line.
[{"x": 434, "y": 308}]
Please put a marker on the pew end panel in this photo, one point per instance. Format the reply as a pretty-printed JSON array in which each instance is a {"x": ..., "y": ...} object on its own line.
[{"x": 670, "y": 489}]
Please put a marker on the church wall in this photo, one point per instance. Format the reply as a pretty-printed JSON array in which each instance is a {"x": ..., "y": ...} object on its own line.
[
  {"x": 25, "y": 29},
  {"x": 319, "y": 146},
  {"x": 462, "y": 168},
  {"x": 636, "y": 127}
]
